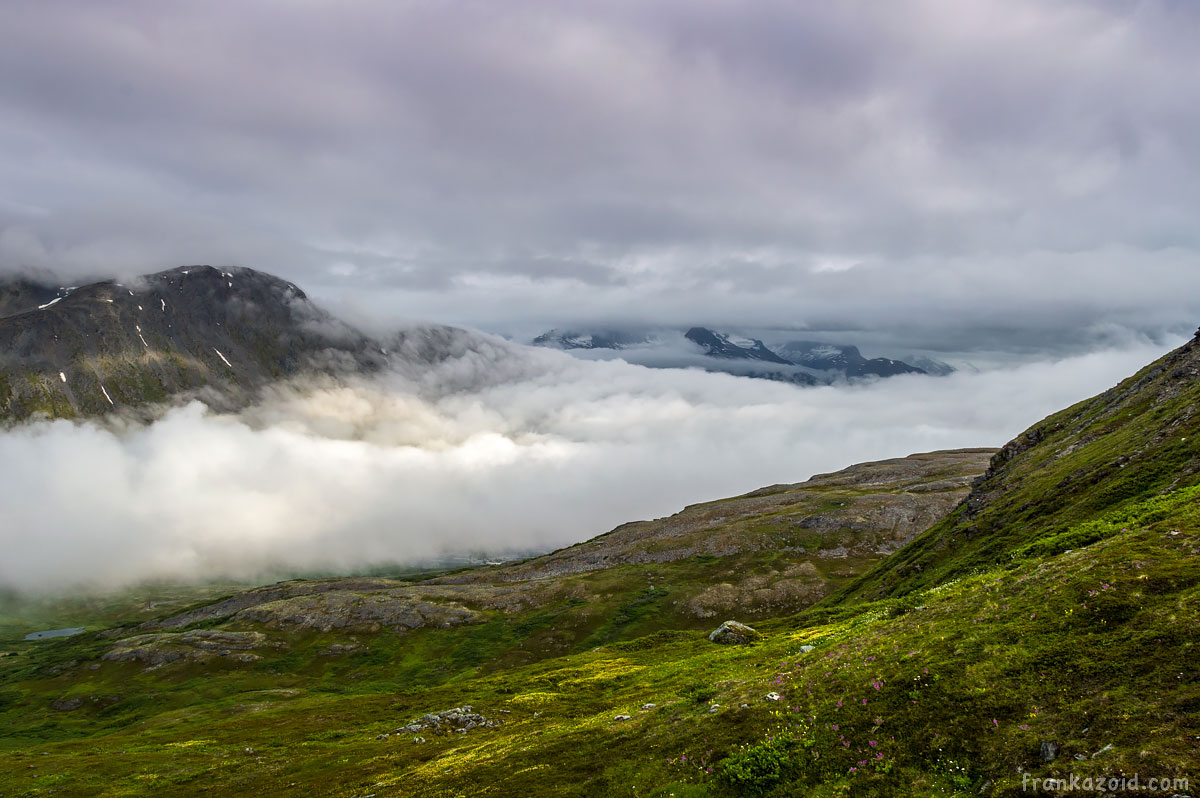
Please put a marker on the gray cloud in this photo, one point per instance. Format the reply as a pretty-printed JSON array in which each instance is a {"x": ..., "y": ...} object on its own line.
[
  {"x": 498, "y": 448},
  {"x": 1024, "y": 166}
]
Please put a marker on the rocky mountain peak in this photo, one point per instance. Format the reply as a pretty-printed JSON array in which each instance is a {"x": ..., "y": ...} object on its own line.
[{"x": 84, "y": 350}]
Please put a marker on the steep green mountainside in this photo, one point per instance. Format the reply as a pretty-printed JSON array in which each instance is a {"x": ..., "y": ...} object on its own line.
[
  {"x": 1056, "y": 639},
  {"x": 1054, "y": 487}
]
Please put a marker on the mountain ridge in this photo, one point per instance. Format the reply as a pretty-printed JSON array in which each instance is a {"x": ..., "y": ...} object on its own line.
[
  {"x": 194, "y": 332},
  {"x": 890, "y": 500},
  {"x": 222, "y": 333},
  {"x": 802, "y": 362}
]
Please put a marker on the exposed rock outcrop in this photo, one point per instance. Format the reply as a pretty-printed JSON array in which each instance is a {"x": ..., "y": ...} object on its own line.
[
  {"x": 198, "y": 645},
  {"x": 796, "y": 585},
  {"x": 732, "y": 633},
  {"x": 358, "y": 612},
  {"x": 458, "y": 720},
  {"x": 263, "y": 595}
]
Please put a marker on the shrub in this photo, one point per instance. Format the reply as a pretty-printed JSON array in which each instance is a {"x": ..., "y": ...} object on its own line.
[
  {"x": 699, "y": 692},
  {"x": 756, "y": 769}
]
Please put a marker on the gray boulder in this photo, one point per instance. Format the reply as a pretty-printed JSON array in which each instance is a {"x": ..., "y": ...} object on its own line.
[
  {"x": 732, "y": 633},
  {"x": 66, "y": 704}
]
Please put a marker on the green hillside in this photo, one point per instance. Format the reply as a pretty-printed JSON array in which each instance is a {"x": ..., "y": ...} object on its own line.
[{"x": 1080, "y": 475}]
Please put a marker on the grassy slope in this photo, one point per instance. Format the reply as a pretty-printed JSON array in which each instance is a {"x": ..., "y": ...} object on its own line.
[
  {"x": 1135, "y": 441},
  {"x": 1064, "y": 610}
]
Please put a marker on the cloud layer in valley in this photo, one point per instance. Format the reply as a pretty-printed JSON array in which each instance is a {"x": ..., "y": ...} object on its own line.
[{"x": 500, "y": 449}]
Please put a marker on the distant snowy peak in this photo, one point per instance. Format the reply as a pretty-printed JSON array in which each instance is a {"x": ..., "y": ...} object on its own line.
[
  {"x": 595, "y": 339},
  {"x": 801, "y": 362},
  {"x": 716, "y": 344},
  {"x": 846, "y": 359}
]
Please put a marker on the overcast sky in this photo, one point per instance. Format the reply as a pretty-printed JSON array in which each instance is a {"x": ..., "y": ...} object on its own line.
[{"x": 984, "y": 174}]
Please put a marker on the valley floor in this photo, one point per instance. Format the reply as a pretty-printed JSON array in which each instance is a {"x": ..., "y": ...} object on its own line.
[{"x": 1086, "y": 658}]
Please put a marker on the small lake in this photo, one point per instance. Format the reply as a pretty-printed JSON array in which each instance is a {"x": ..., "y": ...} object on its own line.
[{"x": 74, "y": 630}]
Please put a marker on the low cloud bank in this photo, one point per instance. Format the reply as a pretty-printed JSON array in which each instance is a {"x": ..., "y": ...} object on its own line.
[{"x": 498, "y": 449}]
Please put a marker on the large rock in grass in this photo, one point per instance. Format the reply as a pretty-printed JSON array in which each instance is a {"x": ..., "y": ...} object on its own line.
[
  {"x": 732, "y": 633},
  {"x": 460, "y": 719}
]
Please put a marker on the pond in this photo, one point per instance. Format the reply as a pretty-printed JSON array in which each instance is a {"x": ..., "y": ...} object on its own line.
[{"x": 74, "y": 630}]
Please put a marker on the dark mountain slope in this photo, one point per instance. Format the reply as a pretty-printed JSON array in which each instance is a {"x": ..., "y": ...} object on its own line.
[
  {"x": 1049, "y": 490},
  {"x": 746, "y": 357},
  {"x": 20, "y": 294},
  {"x": 225, "y": 333},
  {"x": 717, "y": 345}
]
